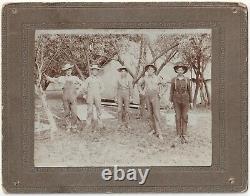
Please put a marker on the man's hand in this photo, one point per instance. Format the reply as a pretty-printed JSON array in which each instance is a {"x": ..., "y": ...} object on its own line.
[
  {"x": 171, "y": 105},
  {"x": 191, "y": 105},
  {"x": 46, "y": 77},
  {"x": 131, "y": 99},
  {"x": 142, "y": 92}
]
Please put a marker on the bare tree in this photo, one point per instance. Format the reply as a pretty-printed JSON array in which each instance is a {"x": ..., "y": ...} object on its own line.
[
  {"x": 38, "y": 87},
  {"x": 196, "y": 52}
]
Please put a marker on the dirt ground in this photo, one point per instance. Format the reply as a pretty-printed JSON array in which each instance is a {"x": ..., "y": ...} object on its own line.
[{"x": 132, "y": 147}]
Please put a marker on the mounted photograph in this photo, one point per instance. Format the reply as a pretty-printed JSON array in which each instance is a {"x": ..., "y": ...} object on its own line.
[{"x": 125, "y": 97}]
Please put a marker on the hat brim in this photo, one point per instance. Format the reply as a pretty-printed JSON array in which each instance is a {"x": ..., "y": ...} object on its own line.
[
  {"x": 66, "y": 68},
  {"x": 95, "y": 68},
  {"x": 147, "y": 67},
  {"x": 123, "y": 68},
  {"x": 180, "y": 66}
]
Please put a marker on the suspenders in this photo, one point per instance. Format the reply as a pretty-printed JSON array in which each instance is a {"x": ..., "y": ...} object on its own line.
[{"x": 176, "y": 82}]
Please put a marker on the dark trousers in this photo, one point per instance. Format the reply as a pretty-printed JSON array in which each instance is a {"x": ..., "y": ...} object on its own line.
[{"x": 181, "y": 117}]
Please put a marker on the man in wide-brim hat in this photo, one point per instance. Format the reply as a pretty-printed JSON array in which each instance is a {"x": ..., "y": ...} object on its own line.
[
  {"x": 123, "y": 95},
  {"x": 151, "y": 66},
  {"x": 182, "y": 66},
  {"x": 151, "y": 91},
  {"x": 94, "y": 88},
  {"x": 71, "y": 85},
  {"x": 181, "y": 97}
]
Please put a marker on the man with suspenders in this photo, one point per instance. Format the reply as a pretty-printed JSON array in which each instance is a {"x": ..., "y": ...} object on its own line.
[{"x": 181, "y": 97}]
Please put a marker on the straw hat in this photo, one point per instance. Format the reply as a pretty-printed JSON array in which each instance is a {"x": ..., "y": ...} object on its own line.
[
  {"x": 95, "y": 67},
  {"x": 67, "y": 66}
]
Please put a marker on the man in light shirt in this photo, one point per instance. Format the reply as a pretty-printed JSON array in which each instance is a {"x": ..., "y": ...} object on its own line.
[
  {"x": 71, "y": 85},
  {"x": 123, "y": 96},
  {"x": 152, "y": 93},
  {"x": 94, "y": 88}
]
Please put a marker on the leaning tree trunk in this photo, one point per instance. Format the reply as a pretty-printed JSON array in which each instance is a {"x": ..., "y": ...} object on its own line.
[
  {"x": 207, "y": 92},
  {"x": 196, "y": 92},
  {"x": 52, "y": 123},
  {"x": 40, "y": 92}
]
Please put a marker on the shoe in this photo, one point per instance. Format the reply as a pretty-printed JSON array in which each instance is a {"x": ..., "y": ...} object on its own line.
[
  {"x": 68, "y": 128},
  {"x": 74, "y": 129},
  {"x": 160, "y": 136},
  {"x": 101, "y": 128},
  {"x": 127, "y": 127},
  {"x": 184, "y": 140},
  {"x": 151, "y": 133},
  {"x": 120, "y": 127},
  {"x": 88, "y": 127}
]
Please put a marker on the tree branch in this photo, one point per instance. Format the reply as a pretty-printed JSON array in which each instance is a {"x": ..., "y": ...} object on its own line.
[
  {"x": 163, "y": 52},
  {"x": 171, "y": 55}
]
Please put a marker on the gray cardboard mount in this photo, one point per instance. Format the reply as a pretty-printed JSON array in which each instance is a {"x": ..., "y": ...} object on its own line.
[{"x": 228, "y": 21}]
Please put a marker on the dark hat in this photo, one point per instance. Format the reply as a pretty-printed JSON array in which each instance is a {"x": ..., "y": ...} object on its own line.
[
  {"x": 180, "y": 65},
  {"x": 121, "y": 68},
  {"x": 150, "y": 65}
]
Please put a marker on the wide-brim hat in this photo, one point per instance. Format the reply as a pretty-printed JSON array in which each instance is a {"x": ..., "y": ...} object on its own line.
[
  {"x": 122, "y": 68},
  {"x": 95, "y": 67},
  {"x": 150, "y": 65},
  {"x": 67, "y": 66},
  {"x": 180, "y": 65}
]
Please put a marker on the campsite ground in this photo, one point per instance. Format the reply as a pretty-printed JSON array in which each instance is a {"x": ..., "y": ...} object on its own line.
[{"x": 132, "y": 147}]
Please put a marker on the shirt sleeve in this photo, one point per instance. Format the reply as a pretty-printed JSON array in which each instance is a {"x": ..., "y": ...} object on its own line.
[
  {"x": 189, "y": 88},
  {"x": 140, "y": 83},
  {"x": 159, "y": 80},
  {"x": 101, "y": 86},
  {"x": 130, "y": 88},
  {"x": 60, "y": 79},
  {"x": 78, "y": 80},
  {"x": 172, "y": 90},
  {"x": 86, "y": 83}
]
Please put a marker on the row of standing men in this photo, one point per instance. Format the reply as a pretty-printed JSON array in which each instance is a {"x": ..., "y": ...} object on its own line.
[{"x": 149, "y": 91}]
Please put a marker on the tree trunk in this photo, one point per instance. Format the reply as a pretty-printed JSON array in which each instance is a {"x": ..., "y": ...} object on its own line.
[
  {"x": 196, "y": 92},
  {"x": 52, "y": 123},
  {"x": 207, "y": 92},
  {"x": 42, "y": 96}
]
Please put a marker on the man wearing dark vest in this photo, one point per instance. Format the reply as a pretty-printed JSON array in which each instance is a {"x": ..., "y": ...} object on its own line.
[{"x": 181, "y": 97}]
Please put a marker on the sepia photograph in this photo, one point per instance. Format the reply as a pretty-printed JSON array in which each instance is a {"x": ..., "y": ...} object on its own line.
[{"x": 126, "y": 97}]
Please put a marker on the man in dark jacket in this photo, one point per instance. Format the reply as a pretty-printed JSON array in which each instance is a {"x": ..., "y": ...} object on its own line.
[{"x": 181, "y": 97}]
